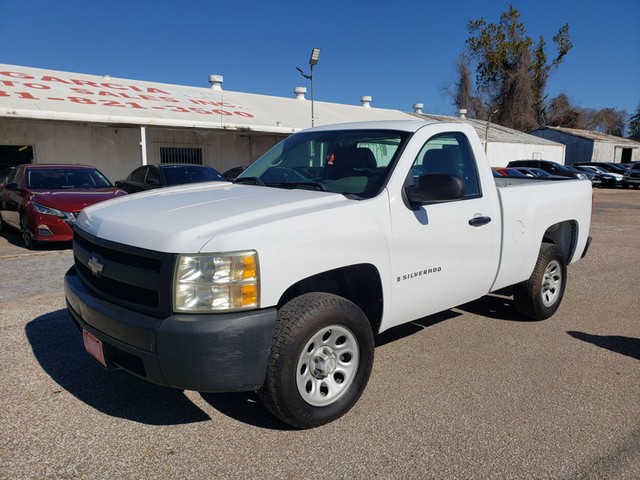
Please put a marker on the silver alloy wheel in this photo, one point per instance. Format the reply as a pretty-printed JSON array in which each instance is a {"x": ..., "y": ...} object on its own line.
[
  {"x": 24, "y": 230},
  {"x": 551, "y": 283},
  {"x": 327, "y": 365}
]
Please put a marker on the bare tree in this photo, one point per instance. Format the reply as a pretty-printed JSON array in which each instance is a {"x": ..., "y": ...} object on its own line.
[
  {"x": 561, "y": 113},
  {"x": 517, "y": 109},
  {"x": 464, "y": 97}
]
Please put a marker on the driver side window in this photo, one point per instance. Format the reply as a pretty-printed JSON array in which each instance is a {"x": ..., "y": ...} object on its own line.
[{"x": 450, "y": 154}]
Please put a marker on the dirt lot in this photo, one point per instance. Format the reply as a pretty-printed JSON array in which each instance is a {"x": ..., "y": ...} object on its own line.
[{"x": 474, "y": 392}]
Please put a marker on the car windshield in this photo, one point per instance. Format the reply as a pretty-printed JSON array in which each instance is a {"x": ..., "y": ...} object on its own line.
[
  {"x": 66, "y": 178},
  {"x": 540, "y": 173},
  {"x": 181, "y": 174},
  {"x": 355, "y": 163}
]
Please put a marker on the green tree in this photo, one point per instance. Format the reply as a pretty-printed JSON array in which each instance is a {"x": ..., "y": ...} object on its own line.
[
  {"x": 634, "y": 125},
  {"x": 511, "y": 71}
]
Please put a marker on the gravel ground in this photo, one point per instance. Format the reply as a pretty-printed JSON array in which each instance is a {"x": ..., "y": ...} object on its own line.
[{"x": 474, "y": 392}]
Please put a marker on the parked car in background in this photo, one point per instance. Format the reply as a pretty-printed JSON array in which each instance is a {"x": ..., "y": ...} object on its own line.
[
  {"x": 539, "y": 173},
  {"x": 507, "y": 172},
  {"x": 609, "y": 179},
  {"x": 149, "y": 177},
  {"x": 551, "y": 167},
  {"x": 233, "y": 173},
  {"x": 631, "y": 177},
  {"x": 608, "y": 166},
  {"x": 43, "y": 201}
]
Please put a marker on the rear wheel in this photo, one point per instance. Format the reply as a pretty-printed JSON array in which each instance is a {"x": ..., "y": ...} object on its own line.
[
  {"x": 321, "y": 359},
  {"x": 539, "y": 297}
]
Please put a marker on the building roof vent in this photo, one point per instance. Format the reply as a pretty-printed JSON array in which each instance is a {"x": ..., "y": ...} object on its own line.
[
  {"x": 417, "y": 108},
  {"x": 300, "y": 91},
  {"x": 216, "y": 82},
  {"x": 366, "y": 101}
]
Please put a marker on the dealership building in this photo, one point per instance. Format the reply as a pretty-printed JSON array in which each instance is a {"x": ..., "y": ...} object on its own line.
[{"x": 116, "y": 125}]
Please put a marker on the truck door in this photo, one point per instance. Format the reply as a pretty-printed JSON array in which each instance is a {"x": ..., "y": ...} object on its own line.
[{"x": 443, "y": 254}]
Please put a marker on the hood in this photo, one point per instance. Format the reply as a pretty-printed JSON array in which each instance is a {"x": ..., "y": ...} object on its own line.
[
  {"x": 183, "y": 219},
  {"x": 74, "y": 200}
]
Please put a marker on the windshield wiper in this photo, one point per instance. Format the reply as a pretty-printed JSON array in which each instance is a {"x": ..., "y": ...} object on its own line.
[
  {"x": 306, "y": 185},
  {"x": 249, "y": 181}
]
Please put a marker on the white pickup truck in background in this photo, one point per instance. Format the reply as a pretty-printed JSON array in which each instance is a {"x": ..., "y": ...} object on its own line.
[{"x": 279, "y": 281}]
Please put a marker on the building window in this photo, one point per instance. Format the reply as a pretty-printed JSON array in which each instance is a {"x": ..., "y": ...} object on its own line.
[{"x": 181, "y": 155}]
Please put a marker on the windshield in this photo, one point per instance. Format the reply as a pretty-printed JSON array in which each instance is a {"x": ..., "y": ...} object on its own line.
[
  {"x": 350, "y": 162},
  {"x": 64, "y": 178},
  {"x": 181, "y": 174}
]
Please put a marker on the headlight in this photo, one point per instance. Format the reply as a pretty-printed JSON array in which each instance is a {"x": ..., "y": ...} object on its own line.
[
  {"x": 216, "y": 282},
  {"x": 47, "y": 210}
]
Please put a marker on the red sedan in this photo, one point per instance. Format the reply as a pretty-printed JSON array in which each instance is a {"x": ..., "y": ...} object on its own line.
[{"x": 43, "y": 201}]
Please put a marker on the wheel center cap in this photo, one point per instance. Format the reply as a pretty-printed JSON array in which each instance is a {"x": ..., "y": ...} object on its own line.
[{"x": 325, "y": 362}]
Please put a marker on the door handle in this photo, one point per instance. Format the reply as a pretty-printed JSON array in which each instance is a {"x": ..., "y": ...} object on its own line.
[{"x": 479, "y": 221}]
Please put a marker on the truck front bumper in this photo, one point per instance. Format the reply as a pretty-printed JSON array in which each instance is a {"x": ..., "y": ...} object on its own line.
[{"x": 203, "y": 352}]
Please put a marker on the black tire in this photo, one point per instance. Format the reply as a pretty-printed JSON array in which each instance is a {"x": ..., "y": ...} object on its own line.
[
  {"x": 334, "y": 336},
  {"x": 539, "y": 297},
  {"x": 27, "y": 239},
  {"x": 3, "y": 226}
]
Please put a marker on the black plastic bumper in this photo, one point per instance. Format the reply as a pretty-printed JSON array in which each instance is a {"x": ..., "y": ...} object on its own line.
[{"x": 202, "y": 352}]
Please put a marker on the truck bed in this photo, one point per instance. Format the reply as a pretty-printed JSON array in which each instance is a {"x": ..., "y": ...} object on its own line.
[{"x": 527, "y": 204}]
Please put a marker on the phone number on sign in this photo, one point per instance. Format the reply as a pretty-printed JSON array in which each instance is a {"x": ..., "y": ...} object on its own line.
[{"x": 121, "y": 104}]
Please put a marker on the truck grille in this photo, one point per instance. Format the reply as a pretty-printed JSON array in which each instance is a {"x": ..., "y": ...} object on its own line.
[{"x": 131, "y": 277}]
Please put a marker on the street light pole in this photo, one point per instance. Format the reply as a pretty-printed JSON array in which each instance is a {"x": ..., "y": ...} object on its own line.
[
  {"x": 486, "y": 131},
  {"x": 313, "y": 61}
]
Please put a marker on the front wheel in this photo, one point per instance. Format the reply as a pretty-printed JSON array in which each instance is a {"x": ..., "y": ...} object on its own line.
[
  {"x": 321, "y": 359},
  {"x": 28, "y": 240},
  {"x": 539, "y": 297},
  {"x": 3, "y": 225}
]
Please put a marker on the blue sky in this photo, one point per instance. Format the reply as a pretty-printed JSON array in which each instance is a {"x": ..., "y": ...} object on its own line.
[{"x": 398, "y": 52}]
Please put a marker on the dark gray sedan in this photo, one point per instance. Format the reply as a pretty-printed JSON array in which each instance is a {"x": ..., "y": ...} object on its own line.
[{"x": 149, "y": 177}]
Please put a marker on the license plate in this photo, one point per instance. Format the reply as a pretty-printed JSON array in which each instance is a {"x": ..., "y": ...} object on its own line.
[{"x": 94, "y": 347}]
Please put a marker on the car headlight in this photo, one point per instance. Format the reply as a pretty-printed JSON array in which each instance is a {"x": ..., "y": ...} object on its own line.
[
  {"x": 582, "y": 176},
  {"x": 216, "y": 282},
  {"x": 47, "y": 210}
]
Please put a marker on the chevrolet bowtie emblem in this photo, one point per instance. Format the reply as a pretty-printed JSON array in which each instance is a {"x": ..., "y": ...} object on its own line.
[{"x": 95, "y": 264}]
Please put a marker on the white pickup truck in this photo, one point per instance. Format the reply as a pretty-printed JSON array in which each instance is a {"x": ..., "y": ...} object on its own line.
[{"x": 278, "y": 282}]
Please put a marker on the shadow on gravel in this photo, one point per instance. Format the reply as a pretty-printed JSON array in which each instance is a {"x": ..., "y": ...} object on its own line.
[
  {"x": 14, "y": 240},
  {"x": 245, "y": 407},
  {"x": 494, "y": 306},
  {"x": 623, "y": 345},
  {"x": 411, "y": 328},
  {"x": 57, "y": 345}
]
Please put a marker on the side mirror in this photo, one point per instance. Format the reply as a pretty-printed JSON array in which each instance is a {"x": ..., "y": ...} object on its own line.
[
  {"x": 153, "y": 181},
  {"x": 435, "y": 188},
  {"x": 12, "y": 186},
  {"x": 118, "y": 183}
]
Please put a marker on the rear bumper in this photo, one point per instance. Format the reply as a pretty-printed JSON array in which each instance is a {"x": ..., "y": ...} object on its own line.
[{"x": 206, "y": 353}]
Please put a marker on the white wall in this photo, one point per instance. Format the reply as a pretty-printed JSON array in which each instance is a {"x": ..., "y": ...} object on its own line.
[
  {"x": 116, "y": 150},
  {"x": 499, "y": 154}
]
